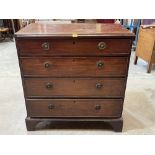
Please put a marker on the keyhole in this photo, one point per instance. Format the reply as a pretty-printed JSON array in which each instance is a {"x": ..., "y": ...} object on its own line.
[{"x": 73, "y": 42}]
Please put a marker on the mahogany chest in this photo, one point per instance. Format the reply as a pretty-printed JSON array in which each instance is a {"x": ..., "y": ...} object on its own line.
[{"x": 74, "y": 72}]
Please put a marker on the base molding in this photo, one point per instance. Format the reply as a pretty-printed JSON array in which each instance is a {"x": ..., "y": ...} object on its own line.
[{"x": 32, "y": 123}]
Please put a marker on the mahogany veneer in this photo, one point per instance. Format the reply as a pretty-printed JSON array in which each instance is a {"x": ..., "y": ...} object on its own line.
[{"x": 74, "y": 72}]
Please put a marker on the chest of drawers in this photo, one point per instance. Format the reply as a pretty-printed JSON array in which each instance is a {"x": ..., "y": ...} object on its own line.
[{"x": 74, "y": 72}]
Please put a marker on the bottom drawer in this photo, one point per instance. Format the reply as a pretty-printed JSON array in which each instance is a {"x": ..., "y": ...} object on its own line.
[{"x": 74, "y": 107}]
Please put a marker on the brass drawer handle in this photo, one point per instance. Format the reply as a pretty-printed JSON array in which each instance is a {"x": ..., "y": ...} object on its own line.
[
  {"x": 100, "y": 64},
  {"x": 45, "y": 46},
  {"x": 102, "y": 45},
  {"x": 47, "y": 65},
  {"x": 51, "y": 106},
  {"x": 49, "y": 85},
  {"x": 99, "y": 85},
  {"x": 98, "y": 107}
]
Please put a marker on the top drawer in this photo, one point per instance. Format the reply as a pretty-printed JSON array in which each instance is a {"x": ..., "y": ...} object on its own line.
[{"x": 58, "y": 47}]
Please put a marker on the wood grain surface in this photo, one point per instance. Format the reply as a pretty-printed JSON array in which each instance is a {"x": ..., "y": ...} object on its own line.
[
  {"x": 75, "y": 108},
  {"x": 74, "y": 66}
]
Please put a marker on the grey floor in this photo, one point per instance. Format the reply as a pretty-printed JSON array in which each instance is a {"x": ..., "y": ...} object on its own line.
[{"x": 139, "y": 105}]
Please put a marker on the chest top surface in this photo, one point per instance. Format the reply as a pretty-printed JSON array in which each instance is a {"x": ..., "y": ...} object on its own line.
[{"x": 74, "y": 30}]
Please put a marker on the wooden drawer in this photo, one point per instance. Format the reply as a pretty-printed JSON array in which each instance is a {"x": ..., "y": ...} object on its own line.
[
  {"x": 75, "y": 87},
  {"x": 74, "y": 107},
  {"x": 75, "y": 66},
  {"x": 57, "y": 47}
]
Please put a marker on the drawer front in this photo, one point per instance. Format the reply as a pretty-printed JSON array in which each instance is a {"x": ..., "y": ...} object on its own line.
[
  {"x": 75, "y": 108},
  {"x": 57, "y": 47},
  {"x": 74, "y": 87},
  {"x": 75, "y": 66}
]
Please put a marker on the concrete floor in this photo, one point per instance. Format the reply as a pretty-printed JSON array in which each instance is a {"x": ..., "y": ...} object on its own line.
[{"x": 139, "y": 105}]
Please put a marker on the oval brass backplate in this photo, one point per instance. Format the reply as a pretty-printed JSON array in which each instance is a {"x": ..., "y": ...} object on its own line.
[
  {"x": 45, "y": 46},
  {"x": 49, "y": 85},
  {"x": 47, "y": 64},
  {"x": 51, "y": 106},
  {"x": 102, "y": 45},
  {"x": 100, "y": 64},
  {"x": 98, "y": 107},
  {"x": 99, "y": 85}
]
